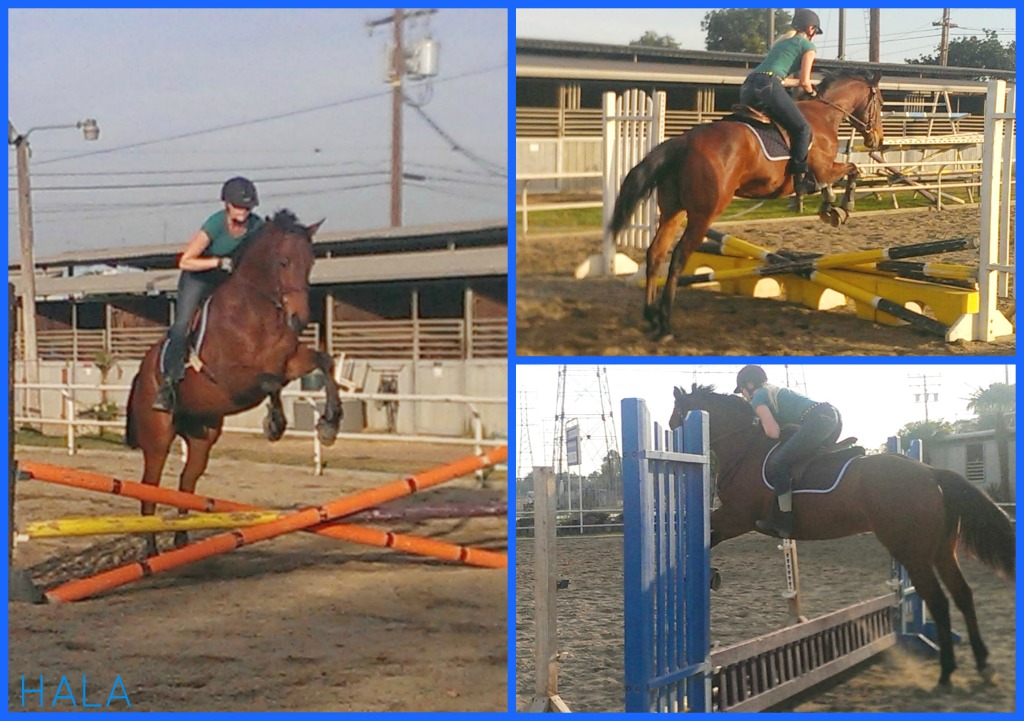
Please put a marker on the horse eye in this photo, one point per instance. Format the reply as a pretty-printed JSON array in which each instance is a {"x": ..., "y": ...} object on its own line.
[{"x": 284, "y": 262}]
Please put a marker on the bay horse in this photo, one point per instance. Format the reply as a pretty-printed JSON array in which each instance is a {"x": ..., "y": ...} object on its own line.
[
  {"x": 250, "y": 351},
  {"x": 917, "y": 512},
  {"x": 700, "y": 172}
]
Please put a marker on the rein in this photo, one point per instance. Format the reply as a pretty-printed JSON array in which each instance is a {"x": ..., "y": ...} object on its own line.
[{"x": 864, "y": 127}]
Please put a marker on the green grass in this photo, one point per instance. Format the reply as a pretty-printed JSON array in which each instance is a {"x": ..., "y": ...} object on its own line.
[
  {"x": 108, "y": 441},
  {"x": 739, "y": 209}
]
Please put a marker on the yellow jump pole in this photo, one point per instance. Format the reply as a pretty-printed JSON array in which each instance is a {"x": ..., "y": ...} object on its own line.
[{"x": 109, "y": 525}]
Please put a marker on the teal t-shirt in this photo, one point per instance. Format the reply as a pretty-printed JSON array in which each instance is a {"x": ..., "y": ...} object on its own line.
[
  {"x": 785, "y": 56},
  {"x": 222, "y": 243},
  {"x": 787, "y": 406}
]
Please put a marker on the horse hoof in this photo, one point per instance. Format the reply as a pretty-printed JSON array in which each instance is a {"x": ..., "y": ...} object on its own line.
[
  {"x": 716, "y": 579},
  {"x": 272, "y": 430},
  {"x": 988, "y": 675},
  {"x": 326, "y": 431}
]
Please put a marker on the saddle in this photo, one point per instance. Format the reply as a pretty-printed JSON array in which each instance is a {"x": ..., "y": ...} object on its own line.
[
  {"x": 822, "y": 472},
  {"x": 194, "y": 339},
  {"x": 774, "y": 139}
]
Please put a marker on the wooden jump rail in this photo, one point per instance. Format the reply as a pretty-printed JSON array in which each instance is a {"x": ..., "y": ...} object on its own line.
[
  {"x": 316, "y": 519},
  {"x": 765, "y": 671}
]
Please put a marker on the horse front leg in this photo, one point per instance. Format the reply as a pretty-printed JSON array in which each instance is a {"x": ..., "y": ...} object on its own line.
[
  {"x": 306, "y": 360},
  {"x": 827, "y": 211},
  {"x": 275, "y": 422}
]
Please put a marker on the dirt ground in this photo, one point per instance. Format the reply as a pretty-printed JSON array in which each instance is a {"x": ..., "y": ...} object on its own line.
[
  {"x": 298, "y": 623},
  {"x": 834, "y": 574},
  {"x": 560, "y": 316}
]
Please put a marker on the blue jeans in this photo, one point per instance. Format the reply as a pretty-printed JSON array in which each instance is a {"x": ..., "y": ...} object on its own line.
[
  {"x": 765, "y": 92},
  {"x": 820, "y": 427},
  {"x": 193, "y": 289}
]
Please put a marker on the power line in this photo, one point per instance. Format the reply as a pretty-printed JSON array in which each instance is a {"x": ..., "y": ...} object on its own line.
[{"x": 254, "y": 121}]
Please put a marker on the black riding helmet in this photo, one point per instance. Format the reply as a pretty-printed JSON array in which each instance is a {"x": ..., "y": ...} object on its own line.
[
  {"x": 750, "y": 374},
  {"x": 804, "y": 18},
  {"x": 240, "y": 192}
]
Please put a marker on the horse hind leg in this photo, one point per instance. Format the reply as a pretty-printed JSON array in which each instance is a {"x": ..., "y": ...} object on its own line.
[
  {"x": 949, "y": 571},
  {"x": 927, "y": 586},
  {"x": 668, "y": 229},
  {"x": 696, "y": 228}
]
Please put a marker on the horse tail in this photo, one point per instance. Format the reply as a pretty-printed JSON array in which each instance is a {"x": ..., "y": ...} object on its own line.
[
  {"x": 985, "y": 530},
  {"x": 641, "y": 181},
  {"x": 130, "y": 437}
]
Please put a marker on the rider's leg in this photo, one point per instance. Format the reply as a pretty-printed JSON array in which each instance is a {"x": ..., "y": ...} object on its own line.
[
  {"x": 191, "y": 292},
  {"x": 822, "y": 425},
  {"x": 789, "y": 116}
]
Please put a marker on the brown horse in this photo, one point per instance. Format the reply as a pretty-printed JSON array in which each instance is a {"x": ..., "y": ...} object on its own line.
[
  {"x": 250, "y": 351},
  {"x": 917, "y": 512},
  {"x": 700, "y": 172}
]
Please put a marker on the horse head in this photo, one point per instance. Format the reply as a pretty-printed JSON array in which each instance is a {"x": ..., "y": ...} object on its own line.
[
  {"x": 856, "y": 93},
  {"x": 726, "y": 414},
  {"x": 277, "y": 260}
]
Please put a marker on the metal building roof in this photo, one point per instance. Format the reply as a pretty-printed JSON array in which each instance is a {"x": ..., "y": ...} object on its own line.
[
  {"x": 396, "y": 254},
  {"x": 596, "y": 61}
]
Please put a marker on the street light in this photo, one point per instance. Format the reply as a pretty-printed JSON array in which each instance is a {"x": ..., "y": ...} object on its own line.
[{"x": 91, "y": 130}]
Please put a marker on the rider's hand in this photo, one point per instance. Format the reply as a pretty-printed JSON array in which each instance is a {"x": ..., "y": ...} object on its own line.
[{"x": 226, "y": 264}]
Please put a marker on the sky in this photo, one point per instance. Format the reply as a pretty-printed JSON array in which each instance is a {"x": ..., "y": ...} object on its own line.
[
  {"x": 906, "y": 33},
  {"x": 875, "y": 400},
  {"x": 296, "y": 100}
]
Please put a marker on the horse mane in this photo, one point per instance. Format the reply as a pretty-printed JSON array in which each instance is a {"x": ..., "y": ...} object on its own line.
[
  {"x": 731, "y": 402},
  {"x": 833, "y": 77},
  {"x": 284, "y": 221}
]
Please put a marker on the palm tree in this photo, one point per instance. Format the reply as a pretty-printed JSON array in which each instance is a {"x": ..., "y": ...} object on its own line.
[{"x": 990, "y": 403}]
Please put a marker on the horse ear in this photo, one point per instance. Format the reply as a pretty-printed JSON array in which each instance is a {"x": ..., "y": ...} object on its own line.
[
  {"x": 679, "y": 393},
  {"x": 311, "y": 229},
  {"x": 876, "y": 77},
  {"x": 694, "y": 389}
]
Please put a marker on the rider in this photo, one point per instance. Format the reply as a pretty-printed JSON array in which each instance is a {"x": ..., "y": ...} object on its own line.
[
  {"x": 792, "y": 53},
  {"x": 819, "y": 425},
  {"x": 204, "y": 264}
]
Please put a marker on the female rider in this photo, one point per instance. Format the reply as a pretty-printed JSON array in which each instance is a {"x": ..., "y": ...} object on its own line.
[
  {"x": 204, "y": 265},
  {"x": 819, "y": 425},
  {"x": 792, "y": 54}
]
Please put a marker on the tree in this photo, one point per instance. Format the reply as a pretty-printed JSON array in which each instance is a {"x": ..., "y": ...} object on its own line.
[
  {"x": 975, "y": 52},
  {"x": 741, "y": 30},
  {"x": 991, "y": 403},
  {"x": 924, "y": 431},
  {"x": 651, "y": 39}
]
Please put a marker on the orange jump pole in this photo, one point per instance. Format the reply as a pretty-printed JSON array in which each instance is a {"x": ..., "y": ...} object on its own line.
[
  {"x": 320, "y": 518},
  {"x": 367, "y": 536},
  {"x": 193, "y": 502}
]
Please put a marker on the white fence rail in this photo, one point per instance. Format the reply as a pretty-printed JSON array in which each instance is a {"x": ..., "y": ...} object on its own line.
[{"x": 73, "y": 419}]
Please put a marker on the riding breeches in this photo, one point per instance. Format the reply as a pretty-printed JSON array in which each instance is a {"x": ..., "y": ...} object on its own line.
[
  {"x": 193, "y": 289},
  {"x": 766, "y": 92},
  {"x": 820, "y": 427}
]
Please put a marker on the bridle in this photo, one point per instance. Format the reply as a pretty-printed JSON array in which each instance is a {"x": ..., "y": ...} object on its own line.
[
  {"x": 874, "y": 119},
  {"x": 726, "y": 473}
]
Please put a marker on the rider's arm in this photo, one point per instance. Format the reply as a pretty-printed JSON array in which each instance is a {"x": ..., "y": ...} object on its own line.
[
  {"x": 806, "y": 65},
  {"x": 192, "y": 257},
  {"x": 768, "y": 422}
]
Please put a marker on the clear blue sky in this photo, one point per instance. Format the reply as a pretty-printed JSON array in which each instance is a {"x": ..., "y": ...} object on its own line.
[
  {"x": 906, "y": 33},
  {"x": 302, "y": 100},
  {"x": 875, "y": 400}
]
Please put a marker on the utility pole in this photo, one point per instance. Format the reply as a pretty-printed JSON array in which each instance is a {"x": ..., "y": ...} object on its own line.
[
  {"x": 396, "y": 73},
  {"x": 944, "y": 43},
  {"x": 771, "y": 26},
  {"x": 874, "y": 33},
  {"x": 923, "y": 395},
  {"x": 842, "y": 35}
]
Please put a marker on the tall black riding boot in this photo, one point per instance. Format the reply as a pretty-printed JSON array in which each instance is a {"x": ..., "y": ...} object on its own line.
[
  {"x": 779, "y": 525},
  {"x": 166, "y": 395}
]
